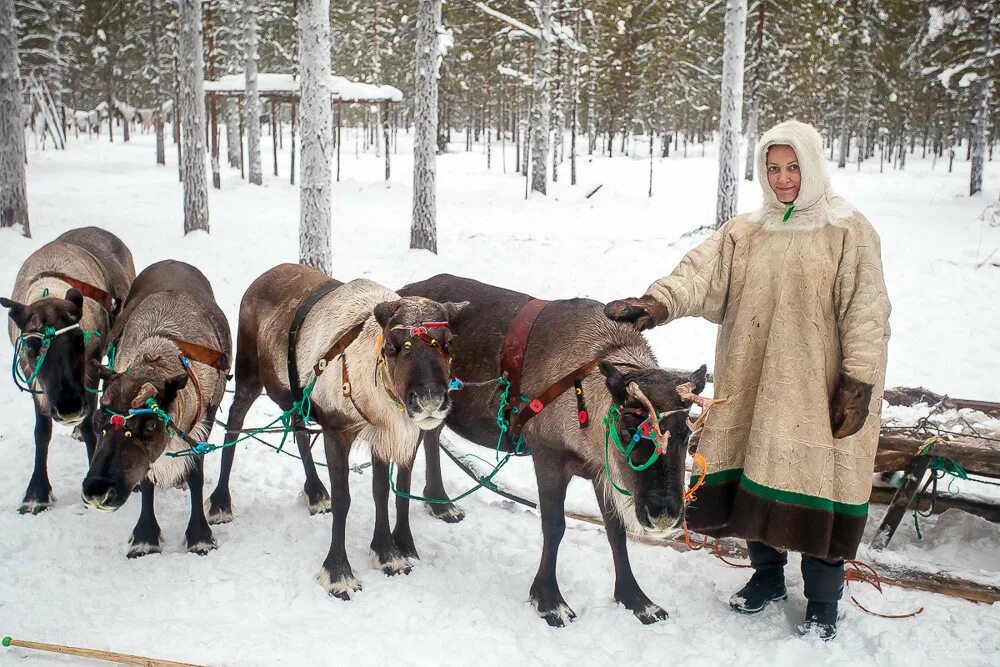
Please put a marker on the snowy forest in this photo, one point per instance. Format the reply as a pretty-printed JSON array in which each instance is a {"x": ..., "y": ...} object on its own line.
[{"x": 698, "y": 296}]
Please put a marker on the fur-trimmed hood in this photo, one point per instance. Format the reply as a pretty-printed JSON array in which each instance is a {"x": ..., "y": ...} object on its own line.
[{"x": 816, "y": 203}]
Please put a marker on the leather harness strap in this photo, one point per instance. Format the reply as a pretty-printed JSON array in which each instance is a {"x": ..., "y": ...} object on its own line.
[
  {"x": 293, "y": 335},
  {"x": 108, "y": 302},
  {"x": 512, "y": 367},
  {"x": 203, "y": 354},
  {"x": 516, "y": 343},
  {"x": 553, "y": 392}
]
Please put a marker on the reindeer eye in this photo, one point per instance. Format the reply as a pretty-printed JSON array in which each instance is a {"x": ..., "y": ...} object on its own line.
[{"x": 150, "y": 426}]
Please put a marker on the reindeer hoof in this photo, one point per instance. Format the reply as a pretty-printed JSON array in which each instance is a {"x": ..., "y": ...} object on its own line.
[
  {"x": 650, "y": 614},
  {"x": 557, "y": 616},
  {"x": 36, "y": 505},
  {"x": 342, "y": 587},
  {"x": 142, "y": 547},
  {"x": 220, "y": 509},
  {"x": 391, "y": 564},
  {"x": 318, "y": 503},
  {"x": 448, "y": 513},
  {"x": 201, "y": 546}
]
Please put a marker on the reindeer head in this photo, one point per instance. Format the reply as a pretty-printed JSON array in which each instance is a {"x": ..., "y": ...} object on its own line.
[
  {"x": 651, "y": 414},
  {"x": 59, "y": 358},
  {"x": 132, "y": 432},
  {"x": 415, "y": 356}
]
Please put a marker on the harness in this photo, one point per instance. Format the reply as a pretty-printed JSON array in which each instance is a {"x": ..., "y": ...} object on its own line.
[
  {"x": 520, "y": 406},
  {"x": 23, "y": 382},
  {"x": 110, "y": 304}
]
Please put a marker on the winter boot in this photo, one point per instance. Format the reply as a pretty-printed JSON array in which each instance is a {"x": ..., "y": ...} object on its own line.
[
  {"x": 764, "y": 586},
  {"x": 821, "y": 620}
]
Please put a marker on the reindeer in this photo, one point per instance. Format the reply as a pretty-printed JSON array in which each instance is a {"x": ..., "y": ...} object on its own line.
[
  {"x": 386, "y": 361},
  {"x": 173, "y": 346},
  {"x": 65, "y": 298},
  {"x": 567, "y": 335}
]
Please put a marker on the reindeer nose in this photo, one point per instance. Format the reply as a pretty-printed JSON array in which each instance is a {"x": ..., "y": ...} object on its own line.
[{"x": 426, "y": 400}]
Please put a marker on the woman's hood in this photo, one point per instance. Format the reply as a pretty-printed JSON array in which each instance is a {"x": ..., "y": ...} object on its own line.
[{"x": 808, "y": 146}]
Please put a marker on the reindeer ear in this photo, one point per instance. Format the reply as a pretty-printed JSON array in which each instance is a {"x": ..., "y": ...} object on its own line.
[
  {"x": 614, "y": 379},
  {"x": 385, "y": 310},
  {"x": 103, "y": 372},
  {"x": 76, "y": 298},
  {"x": 172, "y": 386},
  {"x": 452, "y": 310},
  {"x": 698, "y": 379},
  {"x": 16, "y": 311}
]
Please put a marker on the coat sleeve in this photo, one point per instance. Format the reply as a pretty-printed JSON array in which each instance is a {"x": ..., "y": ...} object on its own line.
[
  {"x": 862, "y": 306},
  {"x": 699, "y": 286}
]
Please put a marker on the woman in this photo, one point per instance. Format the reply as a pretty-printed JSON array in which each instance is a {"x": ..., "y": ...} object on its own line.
[{"x": 797, "y": 288}]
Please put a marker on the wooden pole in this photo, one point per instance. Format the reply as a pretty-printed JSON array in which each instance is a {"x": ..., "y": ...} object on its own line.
[
  {"x": 338, "y": 140},
  {"x": 901, "y": 501},
  {"x": 242, "y": 174},
  {"x": 177, "y": 118},
  {"x": 213, "y": 111},
  {"x": 96, "y": 654}
]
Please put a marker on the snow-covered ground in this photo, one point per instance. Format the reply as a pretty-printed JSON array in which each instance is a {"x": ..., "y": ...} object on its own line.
[{"x": 65, "y": 577}]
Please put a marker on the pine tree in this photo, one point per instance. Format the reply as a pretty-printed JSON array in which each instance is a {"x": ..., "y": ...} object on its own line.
[{"x": 251, "y": 100}]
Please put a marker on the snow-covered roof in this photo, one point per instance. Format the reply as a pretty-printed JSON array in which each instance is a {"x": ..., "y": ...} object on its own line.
[{"x": 342, "y": 87}]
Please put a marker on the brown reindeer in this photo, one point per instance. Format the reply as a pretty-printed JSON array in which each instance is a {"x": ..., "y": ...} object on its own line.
[
  {"x": 72, "y": 285},
  {"x": 567, "y": 335},
  {"x": 173, "y": 347},
  {"x": 395, "y": 385}
]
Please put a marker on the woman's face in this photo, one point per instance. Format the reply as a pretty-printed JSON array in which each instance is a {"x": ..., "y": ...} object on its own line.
[{"x": 783, "y": 173}]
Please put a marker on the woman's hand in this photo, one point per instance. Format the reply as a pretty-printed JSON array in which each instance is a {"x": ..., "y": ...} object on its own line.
[
  {"x": 849, "y": 406},
  {"x": 643, "y": 312}
]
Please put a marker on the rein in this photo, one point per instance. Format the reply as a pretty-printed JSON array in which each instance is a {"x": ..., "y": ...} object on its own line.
[{"x": 49, "y": 334}]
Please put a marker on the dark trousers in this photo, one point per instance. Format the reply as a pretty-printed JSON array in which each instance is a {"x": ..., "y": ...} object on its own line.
[{"x": 824, "y": 579}]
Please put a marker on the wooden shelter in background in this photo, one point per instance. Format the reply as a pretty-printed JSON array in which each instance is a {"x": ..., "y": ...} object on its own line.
[{"x": 278, "y": 89}]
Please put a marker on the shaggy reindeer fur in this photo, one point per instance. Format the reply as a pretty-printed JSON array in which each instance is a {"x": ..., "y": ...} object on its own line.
[{"x": 92, "y": 256}]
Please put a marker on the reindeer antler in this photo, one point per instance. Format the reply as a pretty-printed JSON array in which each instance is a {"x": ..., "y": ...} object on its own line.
[
  {"x": 687, "y": 393},
  {"x": 659, "y": 439}
]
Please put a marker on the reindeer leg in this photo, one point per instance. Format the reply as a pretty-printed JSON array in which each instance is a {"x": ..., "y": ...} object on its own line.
[
  {"x": 336, "y": 575},
  {"x": 627, "y": 590},
  {"x": 314, "y": 494},
  {"x": 384, "y": 555},
  {"x": 434, "y": 485},
  {"x": 545, "y": 596},
  {"x": 38, "y": 496},
  {"x": 146, "y": 536},
  {"x": 220, "y": 503},
  {"x": 87, "y": 429},
  {"x": 401, "y": 535},
  {"x": 198, "y": 536}
]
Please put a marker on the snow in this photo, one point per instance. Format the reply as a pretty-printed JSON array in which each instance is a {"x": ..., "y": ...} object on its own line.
[
  {"x": 270, "y": 82},
  {"x": 254, "y": 601}
]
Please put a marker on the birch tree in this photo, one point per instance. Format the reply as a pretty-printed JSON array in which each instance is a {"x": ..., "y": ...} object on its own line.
[
  {"x": 13, "y": 192},
  {"x": 731, "y": 109},
  {"x": 192, "y": 80},
  {"x": 317, "y": 135},
  {"x": 251, "y": 110},
  {"x": 423, "y": 228}
]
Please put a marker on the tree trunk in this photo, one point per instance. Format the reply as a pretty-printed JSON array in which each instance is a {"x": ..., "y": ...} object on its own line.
[
  {"x": 154, "y": 39},
  {"x": 752, "y": 134},
  {"x": 13, "y": 191},
  {"x": 192, "y": 83},
  {"x": 423, "y": 229},
  {"x": 251, "y": 100},
  {"x": 540, "y": 113},
  {"x": 981, "y": 119},
  {"x": 317, "y": 135},
  {"x": 233, "y": 132},
  {"x": 731, "y": 109}
]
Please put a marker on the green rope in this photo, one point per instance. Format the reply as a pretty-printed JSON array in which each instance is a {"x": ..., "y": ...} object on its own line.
[
  {"x": 47, "y": 337},
  {"x": 611, "y": 435},
  {"x": 484, "y": 482},
  {"x": 939, "y": 467},
  {"x": 301, "y": 408}
]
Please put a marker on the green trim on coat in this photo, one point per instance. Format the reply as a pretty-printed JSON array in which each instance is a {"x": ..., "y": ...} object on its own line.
[{"x": 790, "y": 497}]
